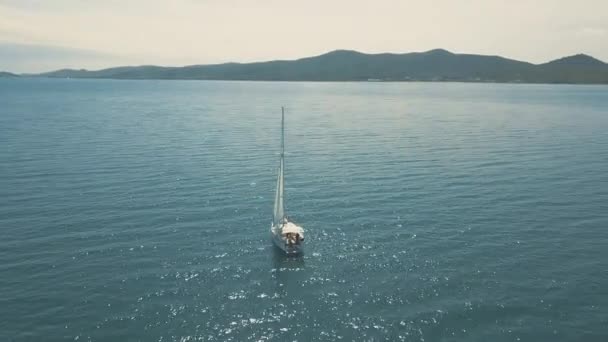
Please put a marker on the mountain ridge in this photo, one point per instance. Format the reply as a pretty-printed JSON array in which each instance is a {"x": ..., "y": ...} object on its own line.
[
  {"x": 7, "y": 74},
  {"x": 578, "y": 59},
  {"x": 351, "y": 65}
]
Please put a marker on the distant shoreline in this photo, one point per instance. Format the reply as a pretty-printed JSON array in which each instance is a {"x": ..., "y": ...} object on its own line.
[
  {"x": 351, "y": 66},
  {"x": 298, "y": 81}
]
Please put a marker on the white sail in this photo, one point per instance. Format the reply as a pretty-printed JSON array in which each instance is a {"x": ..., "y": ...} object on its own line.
[
  {"x": 279, "y": 211},
  {"x": 286, "y": 235}
]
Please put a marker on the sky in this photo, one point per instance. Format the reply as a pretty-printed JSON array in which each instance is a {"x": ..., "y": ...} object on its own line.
[{"x": 44, "y": 35}]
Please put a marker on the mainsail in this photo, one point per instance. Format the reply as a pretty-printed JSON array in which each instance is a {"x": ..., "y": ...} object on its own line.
[{"x": 279, "y": 211}]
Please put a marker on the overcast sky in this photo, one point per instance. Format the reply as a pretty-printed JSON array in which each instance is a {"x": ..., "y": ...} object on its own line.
[{"x": 41, "y": 35}]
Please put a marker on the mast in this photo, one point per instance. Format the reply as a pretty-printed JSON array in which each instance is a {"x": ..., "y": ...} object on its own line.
[
  {"x": 279, "y": 212},
  {"x": 282, "y": 172},
  {"x": 282, "y": 132}
]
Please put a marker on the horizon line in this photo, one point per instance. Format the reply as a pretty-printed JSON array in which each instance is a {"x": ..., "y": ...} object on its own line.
[{"x": 300, "y": 58}]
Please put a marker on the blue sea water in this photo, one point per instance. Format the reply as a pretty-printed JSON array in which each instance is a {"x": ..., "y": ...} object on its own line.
[{"x": 140, "y": 211}]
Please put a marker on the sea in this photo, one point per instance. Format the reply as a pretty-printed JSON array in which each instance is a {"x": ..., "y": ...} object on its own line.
[{"x": 141, "y": 211}]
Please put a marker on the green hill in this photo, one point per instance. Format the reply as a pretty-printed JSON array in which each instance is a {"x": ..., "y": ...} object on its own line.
[
  {"x": 346, "y": 65},
  {"x": 7, "y": 74}
]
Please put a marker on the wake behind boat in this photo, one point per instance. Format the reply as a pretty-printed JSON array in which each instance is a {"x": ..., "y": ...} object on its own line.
[{"x": 286, "y": 235}]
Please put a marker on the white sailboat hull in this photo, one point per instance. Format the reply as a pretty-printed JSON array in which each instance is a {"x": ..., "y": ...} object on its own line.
[{"x": 281, "y": 242}]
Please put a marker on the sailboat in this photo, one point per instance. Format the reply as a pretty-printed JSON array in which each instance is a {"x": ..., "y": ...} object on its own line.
[{"x": 286, "y": 235}]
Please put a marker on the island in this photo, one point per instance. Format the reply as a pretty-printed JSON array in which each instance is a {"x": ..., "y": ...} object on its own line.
[
  {"x": 7, "y": 74},
  {"x": 437, "y": 65}
]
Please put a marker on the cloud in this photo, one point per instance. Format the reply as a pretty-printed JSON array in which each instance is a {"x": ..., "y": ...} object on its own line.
[
  {"x": 20, "y": 57},
  {"x": 593, "y": 31},
  {"x": 181, "y": 32},
  {"x": 19, "y": 50}
]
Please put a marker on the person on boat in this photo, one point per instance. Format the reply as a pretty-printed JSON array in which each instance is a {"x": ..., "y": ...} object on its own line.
[{"x": 289, "y": 237}]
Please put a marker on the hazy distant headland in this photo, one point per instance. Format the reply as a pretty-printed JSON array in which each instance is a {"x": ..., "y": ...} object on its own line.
[
  {"x": 346, "y": 65},
  {"x": 7, "y": 74}
]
